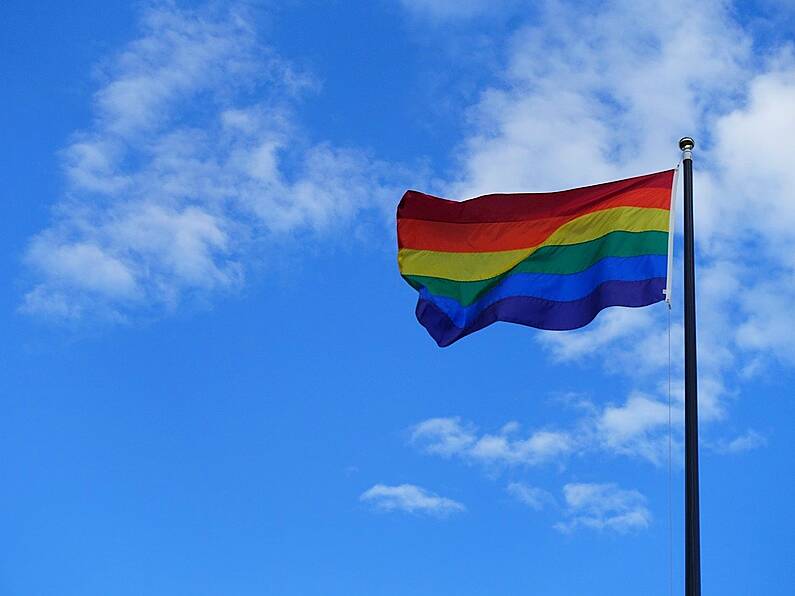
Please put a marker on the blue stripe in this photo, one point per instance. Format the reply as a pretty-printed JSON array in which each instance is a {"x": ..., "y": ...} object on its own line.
[
  {"x": 553, "y": 287},
  {"x": 543, "y": 314}
]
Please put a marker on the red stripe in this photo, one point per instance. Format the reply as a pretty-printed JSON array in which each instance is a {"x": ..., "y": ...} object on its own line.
[
  {"x": 492, "y": 237},
  {"x": 525, "y": 206}
]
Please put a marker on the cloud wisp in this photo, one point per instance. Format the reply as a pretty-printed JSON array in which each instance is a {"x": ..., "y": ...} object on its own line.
[
  {"x": 450, "y": 437},
  {"x": 594, "y": 506},
  {"x": 410, "y": 499},
  {"x": 603, "y": 507},
  {"x": 533, "y": 497},
  {"x": 748, "y": 441}
]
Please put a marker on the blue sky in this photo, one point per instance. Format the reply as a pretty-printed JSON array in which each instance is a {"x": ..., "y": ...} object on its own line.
[{"x": 211, "y": 376}]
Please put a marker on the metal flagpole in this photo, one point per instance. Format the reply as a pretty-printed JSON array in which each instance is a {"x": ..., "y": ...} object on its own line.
[{"x": 692, "y": 525}]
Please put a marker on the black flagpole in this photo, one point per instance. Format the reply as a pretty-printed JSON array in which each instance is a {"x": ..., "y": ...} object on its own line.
[{"x": 692, "y": 525}]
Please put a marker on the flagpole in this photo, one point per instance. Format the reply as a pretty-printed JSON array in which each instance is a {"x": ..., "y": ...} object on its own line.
[{"x": 692, "y": 515}]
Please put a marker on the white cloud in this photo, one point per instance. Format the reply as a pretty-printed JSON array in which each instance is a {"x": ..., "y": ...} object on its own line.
[
  {"x": 613, "y": 324},
  {"x": 638, "y": 427},
  {"x": 579, "y": 75},
  {"x": 589, "y": 505},
  {"x": 444, "y": 436},
  {"x": 409, "y": 498},
  {"x": 450, "y": 437},
  {"x": 532, "y": 496},
  {"x": 192, "y": 164},
  {"x": 603, "y": 507},
  {"x": 757, "y": 213},
  {"x": 753, "y": 144},
  {"x": 747, "y": 441},
  {"x": 84, "y": 264}
]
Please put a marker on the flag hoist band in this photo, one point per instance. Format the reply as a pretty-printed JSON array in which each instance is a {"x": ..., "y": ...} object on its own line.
[{"x": 546, "y": 260}]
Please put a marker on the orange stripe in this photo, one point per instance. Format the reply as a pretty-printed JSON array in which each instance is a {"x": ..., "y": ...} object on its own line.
[{"x": 492, "y": 237}]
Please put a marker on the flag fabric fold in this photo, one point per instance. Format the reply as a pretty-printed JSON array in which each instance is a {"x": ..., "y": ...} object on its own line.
[{"x": 545, "y": 260}]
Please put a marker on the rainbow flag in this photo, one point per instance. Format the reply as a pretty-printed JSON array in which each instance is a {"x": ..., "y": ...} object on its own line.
[{"x": 546, "y": 260}]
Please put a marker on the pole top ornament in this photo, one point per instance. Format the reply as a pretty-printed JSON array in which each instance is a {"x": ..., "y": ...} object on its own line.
[{"x": 686, "y": 143}]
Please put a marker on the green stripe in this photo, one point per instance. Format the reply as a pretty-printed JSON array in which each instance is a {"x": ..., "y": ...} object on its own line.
[{"x": 570, "y": 258}]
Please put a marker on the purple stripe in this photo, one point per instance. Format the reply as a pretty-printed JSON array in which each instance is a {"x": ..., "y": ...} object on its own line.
[{"x": 543, "y": 314}]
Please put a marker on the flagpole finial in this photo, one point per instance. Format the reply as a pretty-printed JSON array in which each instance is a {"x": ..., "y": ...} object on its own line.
[{"x": 686, "y": 144}]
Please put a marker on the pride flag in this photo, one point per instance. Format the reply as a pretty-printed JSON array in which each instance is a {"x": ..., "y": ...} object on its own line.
[{"x": 546, "y": 260}]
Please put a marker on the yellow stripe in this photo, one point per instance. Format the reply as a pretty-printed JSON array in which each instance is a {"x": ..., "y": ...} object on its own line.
[{"x": 473, "y": 266}]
